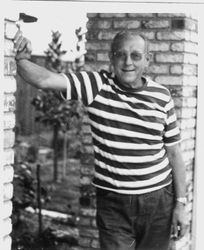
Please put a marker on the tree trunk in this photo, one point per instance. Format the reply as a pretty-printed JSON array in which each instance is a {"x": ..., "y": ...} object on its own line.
[
  {"x": 39, "y": 200},
  {"x": 55, "y": 148},
  {"x": 64, "y": 156}
]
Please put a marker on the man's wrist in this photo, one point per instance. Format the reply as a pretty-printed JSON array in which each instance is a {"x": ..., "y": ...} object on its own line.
[{"x": 21, "y": 59}]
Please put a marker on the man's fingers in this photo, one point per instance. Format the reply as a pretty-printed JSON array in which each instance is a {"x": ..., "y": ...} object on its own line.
[
  {"x": 174, "y": 230},
  {"x": 178, "y": 231},
  {"x": 28, "y": 46},
  {"x": 23, "y": 45},
  {"x": 182, "y": 231},
  {"x": 17, "y": 42}
]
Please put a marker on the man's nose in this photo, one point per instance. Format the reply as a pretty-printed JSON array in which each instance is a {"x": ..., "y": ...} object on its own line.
[{"x": 128, "y": 59}]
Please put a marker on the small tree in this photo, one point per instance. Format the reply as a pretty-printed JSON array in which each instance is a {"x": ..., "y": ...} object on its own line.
[{"x": 52, "y": 110}]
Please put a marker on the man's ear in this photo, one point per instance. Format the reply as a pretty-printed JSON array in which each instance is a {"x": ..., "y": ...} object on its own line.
[
  {"x": 149, "y": 57},
  {"x": 110, "y": 54}
]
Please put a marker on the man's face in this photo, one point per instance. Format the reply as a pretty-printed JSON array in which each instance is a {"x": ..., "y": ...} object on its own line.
[{"x": 129, "y": 61}]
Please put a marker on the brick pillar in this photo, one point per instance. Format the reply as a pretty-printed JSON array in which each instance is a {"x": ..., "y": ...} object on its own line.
[
  {"x": 173, "y": 43},
  {"x": 9, "y": 88}
]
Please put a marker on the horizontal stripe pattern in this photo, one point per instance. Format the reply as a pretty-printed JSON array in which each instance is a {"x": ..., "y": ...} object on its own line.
[{"x": 130, "y": 130}]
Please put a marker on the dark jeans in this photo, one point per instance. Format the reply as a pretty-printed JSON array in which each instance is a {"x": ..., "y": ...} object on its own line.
[{"x": 141, "y": 222}]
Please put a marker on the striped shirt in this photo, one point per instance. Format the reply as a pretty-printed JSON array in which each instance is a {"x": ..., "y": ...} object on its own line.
[{"x": 130, "y": 129}]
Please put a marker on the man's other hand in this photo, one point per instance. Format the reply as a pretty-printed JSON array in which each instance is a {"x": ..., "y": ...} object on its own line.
[
  {"x": 22, "y": 46},
  {"x": 179, "y": 223}
]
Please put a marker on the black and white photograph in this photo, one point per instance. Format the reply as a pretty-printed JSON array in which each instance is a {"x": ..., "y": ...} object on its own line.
[{"x": 101, "y": 143}]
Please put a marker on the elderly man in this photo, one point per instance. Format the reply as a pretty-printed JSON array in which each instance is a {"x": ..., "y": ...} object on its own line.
[{"x": 139, "y": 171}]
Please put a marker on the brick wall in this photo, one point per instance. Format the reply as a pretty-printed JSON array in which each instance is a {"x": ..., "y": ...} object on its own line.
[
  {"x": 173, "y": 43},
  {"x": 9, "y": 88}
]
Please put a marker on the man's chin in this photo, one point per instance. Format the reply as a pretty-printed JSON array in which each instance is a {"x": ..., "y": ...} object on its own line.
[{"x": 128, "y": 83}]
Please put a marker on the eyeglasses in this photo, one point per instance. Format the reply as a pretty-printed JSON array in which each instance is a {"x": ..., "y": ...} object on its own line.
[{"x": 121, "y": 55}]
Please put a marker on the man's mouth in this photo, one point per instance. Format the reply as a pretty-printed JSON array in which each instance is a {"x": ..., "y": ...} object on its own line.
[{"x": 128, "y": 70}]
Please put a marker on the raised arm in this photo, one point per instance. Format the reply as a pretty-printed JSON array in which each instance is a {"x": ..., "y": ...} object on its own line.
[{"x": 32, "y": 73}]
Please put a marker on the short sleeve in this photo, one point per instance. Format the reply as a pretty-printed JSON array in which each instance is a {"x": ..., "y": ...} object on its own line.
[
  {"x": 171, "y": 131},
  {"x": 82, "y": 86}
]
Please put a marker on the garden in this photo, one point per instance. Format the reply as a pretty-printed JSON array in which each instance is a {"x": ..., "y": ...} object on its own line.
[{"x": 47, "y": 169}]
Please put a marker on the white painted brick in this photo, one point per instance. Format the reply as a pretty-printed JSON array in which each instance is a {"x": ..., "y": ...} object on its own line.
[
  {"x": 176, "y": 69},
  {"x": 9, "y": 139},
  {"x": 9, "y": 120},
  {"x": 151, "y": 24},
  {"x": 158, "y": 69},
  {"x": 190, "y": 167},
  {"x": 9, "y": 66},
  {"x": 8, "y": 191},
  {"x": 191, "y": 47},
  {"x": 190, "y": 102},
  {"x": 187, "y": 133},
  {"x": 6, "y": 244},
  {"x": 130, "y": 24},
  {"x": 190, "y": 195},
  {"x": 190, "y": 58},
  {"x": 188, "y": 156},
  {"x": 177, "y": 46},
  {"x": 190, "y": 80},
  {"x": 189, "y": 175},
  {"x": 9, "y": 103},
  {"x": 6, "y": 209},
  {"x": 103, "y": 24},
  {"x": 7, "y": 226},
  {"x": 8, "y": 48},
  {"x": 141, "y": 14},
  {"x": 188, "y": 123},
  {"x": 188, "y": 144},
  {"x": 169, "y": 80},
  {"x": 8, "y": 174},
  {"x": 168, "y": 57},
  {"x": 166, "y": 35},
  {"x": 189, "y": 91},
  {"x": 108, "y": 15},
  {"x": 103, "y": 57},
  {"x": 171, "y": 15},
  {"x": 188, "y": 113},
  {"x": 148, "y": 34},
  {"x": 161, "y": 46},
  {"x": 10, "y": 30},
  {"x": 91, "y": 15},
  {"x": 8, "y": 156},
  {"x": 98, "y": 46},
  {"x": 106, "y": 35},
  {"x": 191, "y": 36},
  {"x": 189, "y": 69},
  {"x": 9, "y": 84}
]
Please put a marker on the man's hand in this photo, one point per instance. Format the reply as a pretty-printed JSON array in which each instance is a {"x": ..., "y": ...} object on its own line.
[
  {"x": 179, "y": 223},
  {"x": 22, "y": 46}
]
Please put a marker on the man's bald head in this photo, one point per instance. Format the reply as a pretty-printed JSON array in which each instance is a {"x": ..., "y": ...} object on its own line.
[{"x": 125, "y": 35}]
